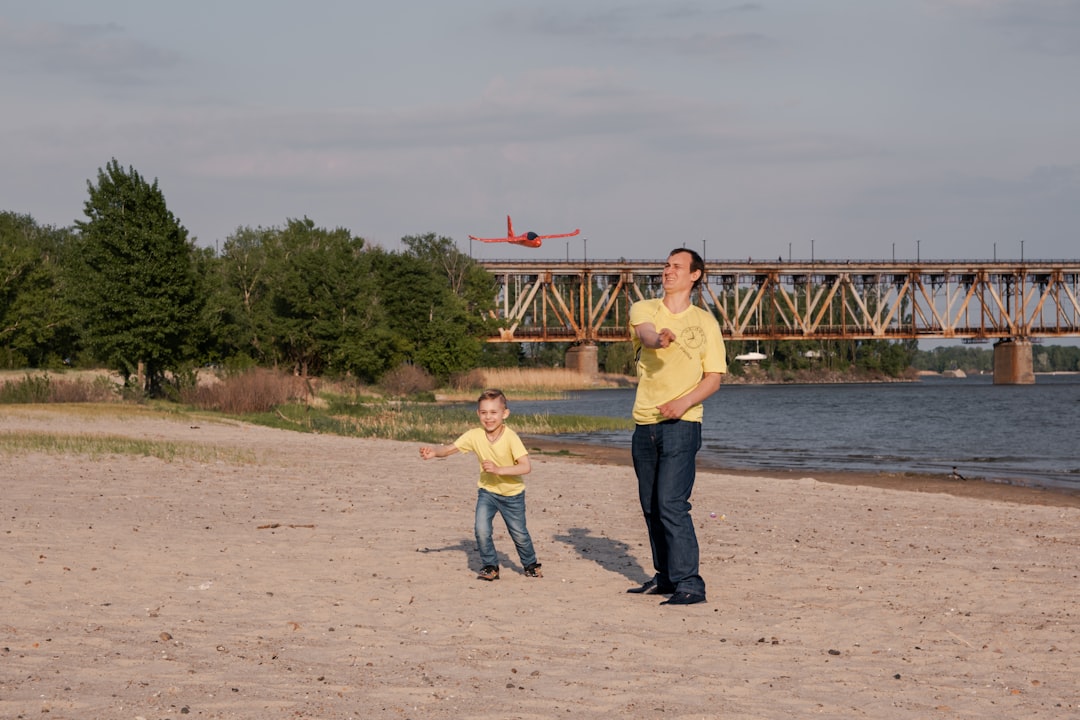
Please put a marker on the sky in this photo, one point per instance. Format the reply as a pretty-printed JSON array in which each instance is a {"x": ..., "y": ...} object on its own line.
[{"x": 844, "y": 129}]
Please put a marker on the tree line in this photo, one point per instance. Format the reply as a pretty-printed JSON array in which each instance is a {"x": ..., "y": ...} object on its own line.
[{"x": 126, "y": 288}]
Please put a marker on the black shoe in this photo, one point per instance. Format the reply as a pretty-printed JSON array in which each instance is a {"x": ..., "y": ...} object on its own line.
[
  {"x": 684, "y": 598},
  {"x": 652, "y": 588}
]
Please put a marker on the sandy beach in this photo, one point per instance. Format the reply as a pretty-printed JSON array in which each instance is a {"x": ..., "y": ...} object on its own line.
[{"x": 314, "y": 576}]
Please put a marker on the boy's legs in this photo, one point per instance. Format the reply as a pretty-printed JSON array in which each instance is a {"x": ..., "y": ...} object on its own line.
[
  {"x": 486, "y": 507},
  {"x": 513, "y": 512}
]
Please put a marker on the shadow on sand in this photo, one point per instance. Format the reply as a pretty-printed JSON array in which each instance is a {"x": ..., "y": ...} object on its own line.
[{"x": 612, "y": 555}]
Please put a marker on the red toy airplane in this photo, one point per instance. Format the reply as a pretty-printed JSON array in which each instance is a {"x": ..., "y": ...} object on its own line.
[{"x": 529, "y": 239}]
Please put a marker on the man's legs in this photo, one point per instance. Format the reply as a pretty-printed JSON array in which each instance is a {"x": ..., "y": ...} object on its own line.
[
  {"x": 665, "y": 462},
  {"x": 680, "y": 442},
  {"x": 645, "y": 450}
]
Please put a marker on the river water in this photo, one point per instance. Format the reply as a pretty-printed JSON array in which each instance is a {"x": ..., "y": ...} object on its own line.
[{"x": 1018, "y": 434}]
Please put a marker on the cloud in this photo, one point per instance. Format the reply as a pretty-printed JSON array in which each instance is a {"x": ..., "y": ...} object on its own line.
[
  {"x": 100, "y": 53},
  {"x": 675, "y": 29},
  {"x": 1049, "y": 27}
]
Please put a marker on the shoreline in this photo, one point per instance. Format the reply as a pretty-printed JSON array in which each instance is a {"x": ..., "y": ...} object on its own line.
[{"x": 906, "y": 482}]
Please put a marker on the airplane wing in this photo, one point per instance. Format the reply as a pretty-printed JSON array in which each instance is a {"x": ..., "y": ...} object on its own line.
[
  {"x": 490, "y": 240},
  {"x": 562, "y": 235}
]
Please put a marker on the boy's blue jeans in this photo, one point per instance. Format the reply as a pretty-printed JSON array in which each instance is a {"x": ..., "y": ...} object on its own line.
[
  {"x": 512, "y": 510},
  {"x": 664, "y": 460}
]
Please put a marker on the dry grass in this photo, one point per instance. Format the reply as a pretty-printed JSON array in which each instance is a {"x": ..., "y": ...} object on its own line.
[
  {"x": 253, "y": 391},
  {"x": 421, "y": 422},
  {"x": 97, "y": 446},
  {"x": 45, "y": 387},
  {"x": 528, "y": 382}
]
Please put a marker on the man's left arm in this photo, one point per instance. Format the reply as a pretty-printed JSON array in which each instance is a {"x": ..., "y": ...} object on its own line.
[{"x": 675, "y": 409}]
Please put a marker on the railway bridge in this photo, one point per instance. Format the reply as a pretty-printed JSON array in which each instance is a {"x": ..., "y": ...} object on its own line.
[{"x": 1009, "y": 303}]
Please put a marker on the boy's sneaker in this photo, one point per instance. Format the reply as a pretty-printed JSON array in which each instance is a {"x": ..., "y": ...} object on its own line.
[
  {"x": 533, "y": 570},
  {"x": 489, "y": 572}
]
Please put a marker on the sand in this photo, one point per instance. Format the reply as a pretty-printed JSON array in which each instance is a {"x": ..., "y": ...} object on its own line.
[{"x": 312, "y": 576}]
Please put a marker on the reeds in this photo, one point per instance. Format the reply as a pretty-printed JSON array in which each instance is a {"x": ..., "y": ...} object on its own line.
[
  {"x": 44, "y": 388},
  {"x": 252, "y": 391}
]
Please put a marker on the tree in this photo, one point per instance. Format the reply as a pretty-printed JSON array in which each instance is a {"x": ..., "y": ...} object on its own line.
[
  {"x": 135, "y": 279},
  {"x": 445, "y": 304},
  {"x": 432, "y": 324},
  {"x": 466, "y": 278},
  {"x": 315, "y": 295},
  {"x": 36, "y": 323}
]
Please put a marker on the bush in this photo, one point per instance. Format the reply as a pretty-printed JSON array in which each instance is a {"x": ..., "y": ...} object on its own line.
[
  {"x": 406, "y": 380},
  {"x": 473, "y": 380},
  {"x": 45, "y": 389},
  {"x": 31, "y": 389},
  {"x": 253, "y": 391},
  {"x": 100, "y": 389}
]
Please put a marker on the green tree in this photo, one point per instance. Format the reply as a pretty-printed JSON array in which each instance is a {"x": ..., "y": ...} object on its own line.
[
  {"x": 466, "y": 279},
  {"x": 618, "y": 358},
  {"x": 238, "y": 304},
  {"x": 454, "y": 303},
  {"x": 314, "y": 296},
  {"x": 433, "y": 325},
  {"x": 135, "y": 279},
  {"x": 36, "y": 319}
]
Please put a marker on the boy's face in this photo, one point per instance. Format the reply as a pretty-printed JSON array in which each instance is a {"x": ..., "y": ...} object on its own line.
[{"x": 492, "y": 413}]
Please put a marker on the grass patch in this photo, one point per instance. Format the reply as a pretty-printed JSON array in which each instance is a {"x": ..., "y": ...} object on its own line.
[
  {"x": 418, "y": 422},
  {"x": 283, "y": 401},
  {"x": 97, "y": 446}
]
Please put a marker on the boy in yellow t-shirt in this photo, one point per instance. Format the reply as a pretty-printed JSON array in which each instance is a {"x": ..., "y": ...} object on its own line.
[{"x": 503, "y": 460}]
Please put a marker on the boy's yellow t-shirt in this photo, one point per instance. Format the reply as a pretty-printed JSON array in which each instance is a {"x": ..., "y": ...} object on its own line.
[
  {"x": 504, "y": 452},
  {"x": 671, "y": 372}
]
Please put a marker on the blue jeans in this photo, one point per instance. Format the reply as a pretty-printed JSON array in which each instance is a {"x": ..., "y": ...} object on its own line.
[
  {"x": 664, "y": 460},
  {"x": 512, "y": 510}
]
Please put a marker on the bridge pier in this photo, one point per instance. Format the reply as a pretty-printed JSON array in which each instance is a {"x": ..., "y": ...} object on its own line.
[
  {"x": 585, "y": 359},
  {"x": 1013, "y": 363}
]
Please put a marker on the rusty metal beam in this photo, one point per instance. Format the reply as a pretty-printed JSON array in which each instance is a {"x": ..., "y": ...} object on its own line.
[{"x": 588, "y": 301}]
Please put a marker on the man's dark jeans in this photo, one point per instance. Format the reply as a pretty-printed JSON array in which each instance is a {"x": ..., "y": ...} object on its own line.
[{"x": 664, "y": 460}]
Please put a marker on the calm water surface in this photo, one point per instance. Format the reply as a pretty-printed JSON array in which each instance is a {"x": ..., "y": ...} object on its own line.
[{"x": 1021, "y": 434}]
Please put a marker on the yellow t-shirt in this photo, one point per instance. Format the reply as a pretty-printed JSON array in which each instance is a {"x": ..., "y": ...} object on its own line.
[
  {"x": 504, "y": 452},
  {"x": 668, "y": 373}
]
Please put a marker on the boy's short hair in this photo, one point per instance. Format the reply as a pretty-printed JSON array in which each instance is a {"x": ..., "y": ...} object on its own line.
[{"x": 492, "y": 394}]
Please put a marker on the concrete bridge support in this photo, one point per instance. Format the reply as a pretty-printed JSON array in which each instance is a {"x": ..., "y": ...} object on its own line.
[
  {"x": 1013, "y": 363},
  {"x": 585, "y": 359}
]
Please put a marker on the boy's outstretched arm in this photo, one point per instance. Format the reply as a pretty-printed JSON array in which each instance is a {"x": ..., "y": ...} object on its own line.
[{"x": 439, "y": 451}]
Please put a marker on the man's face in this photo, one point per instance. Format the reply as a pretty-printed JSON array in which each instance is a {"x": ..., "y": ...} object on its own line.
[{"x": 677, "y": 275}]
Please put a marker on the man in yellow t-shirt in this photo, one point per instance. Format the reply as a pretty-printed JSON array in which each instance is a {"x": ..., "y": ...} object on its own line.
[{"x": 681, "y": 358}]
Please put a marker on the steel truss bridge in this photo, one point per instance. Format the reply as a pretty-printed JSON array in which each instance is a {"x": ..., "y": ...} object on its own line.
[{"x": 588, "y": 301}]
